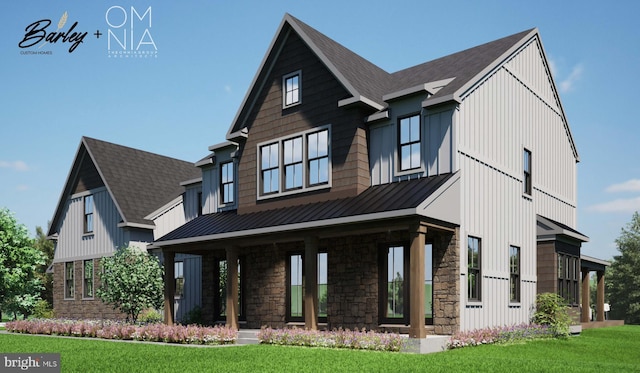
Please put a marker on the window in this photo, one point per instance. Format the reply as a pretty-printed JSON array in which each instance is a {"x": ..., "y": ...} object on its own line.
[
  {"x": 395, "y": 283},
  {"x": 179, "y": 278},
  {"x": 88, "y": 214},
  {"x": 270, "y": 168},
  {"x": 68, "y": 280},
  {"x": 527, "y": 172},
  {"x": 514, "y": 273},
  {"x": 293, "y": 163},
  {"x": 221, "y": 294},
  {"x": 473, "y": 268},
  {"x": 88, "y": 279},
  {"x": 291, "y": 89},
  {"x": 226, "y": 182},
  {"x": 409, "y": 129},
  {"x": 297, "y": 163},
  {"x": 296, "y": 287},
  {"x": 318, "y": 157},
  {"x": 568, "y": 271}
]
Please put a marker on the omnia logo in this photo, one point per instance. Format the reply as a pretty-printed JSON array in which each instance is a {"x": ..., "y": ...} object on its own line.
[
  {"x": 37, "y": 33},
  {"x": 129, "y": 31}
]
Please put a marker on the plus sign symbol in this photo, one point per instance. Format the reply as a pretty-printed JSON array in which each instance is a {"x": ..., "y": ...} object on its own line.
[{"x": 98, "y": 34}]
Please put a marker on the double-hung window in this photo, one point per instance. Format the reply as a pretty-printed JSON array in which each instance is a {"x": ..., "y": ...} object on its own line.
[
  {"x": 87, "y": 285},
  {"x": 514, "y": 274},
  {"x": 291, "y": 89},
  {"x": 68, "y": 280},
  {"x": 226, "y": 182},
  {"x": 88, "y": 214},
  {"x": 473, "y": 269},
  {"x": 295, "y": 163},
  {"x": 409, "y": 144}
]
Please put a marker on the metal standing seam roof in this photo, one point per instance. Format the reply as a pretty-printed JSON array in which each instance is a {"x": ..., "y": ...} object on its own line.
[{"x": 376, "y": 199}]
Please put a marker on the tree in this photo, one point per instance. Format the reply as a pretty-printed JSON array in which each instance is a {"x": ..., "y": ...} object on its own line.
[
  {"x": 131, "y": 281},
  {"x": 19, "y": 285},
  {"x": 623, "y": 277},
  {"x": 45, "y": 246}
]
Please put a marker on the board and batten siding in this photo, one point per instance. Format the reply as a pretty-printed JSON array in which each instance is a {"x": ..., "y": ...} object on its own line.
[
  {"x": 73, "y": 243},
  {"x": 514, "y": 108},
  {"x": 192, "y": 297},
  {"x": 436, "y": 148},
  {"x": 170, "y": 219}
]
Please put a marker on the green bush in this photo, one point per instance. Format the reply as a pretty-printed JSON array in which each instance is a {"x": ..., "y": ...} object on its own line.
[
  {"x": 194, "y": 316},
  {"x": 42, "y": 310},
  {"x": 150, "y": 316},
  {"x": 551, "y": 310}
]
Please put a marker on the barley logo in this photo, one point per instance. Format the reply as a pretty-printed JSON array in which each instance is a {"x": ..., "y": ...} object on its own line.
[{"x": 37, "y": 33}]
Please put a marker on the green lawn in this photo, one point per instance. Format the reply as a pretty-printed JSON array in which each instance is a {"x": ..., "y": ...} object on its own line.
[{"x": 596, "y": 350}]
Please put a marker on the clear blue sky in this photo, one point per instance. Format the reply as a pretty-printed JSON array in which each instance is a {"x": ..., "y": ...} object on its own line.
[{"x": 183, "y": 100}]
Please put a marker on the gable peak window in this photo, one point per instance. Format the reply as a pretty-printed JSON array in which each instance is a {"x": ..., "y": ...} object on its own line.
[
  {"x": 409, "y": 142},
  {"x": 88, "y": 214},
  {"x": 291, "y": 89},
  {"x": 526, "y": 157}
]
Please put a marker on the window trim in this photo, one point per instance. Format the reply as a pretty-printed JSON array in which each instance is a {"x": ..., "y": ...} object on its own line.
[
  {"x": 286, "y": 77},
  {"x": 477, "y": 270},
  {"x": 400, "y": 144},
  {"x": 527, "y": 164},
  {"x": 88, "y": 227},
  {"x": 293, "y": 163},
  {"x": 306, "y": 187},
  {"x": 515, "y": 277},
  {"x": 383, "y": 293},
  {"x": 568, "y": 278},
  {"x": 69, "y": 291},
  {"x": 288, "y": 292},
  {"x": 223, "y": 200},
  {"x": 84, "y": 279}
]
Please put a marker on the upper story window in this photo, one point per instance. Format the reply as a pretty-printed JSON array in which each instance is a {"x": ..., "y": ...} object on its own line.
[
  {"x": 291, "y": 89},
  {"x": 409, "y": 144},
  {"x": 473, "y": 269},
  {"x": 88, "y": 214},
  {"x": 527, "y": 172},
  {"x": 294, "y": 164},
  {"x": 226, "y": 183}
]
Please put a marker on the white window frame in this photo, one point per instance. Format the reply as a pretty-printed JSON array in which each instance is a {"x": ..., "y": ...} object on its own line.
[{"x": 306, "y": 187}]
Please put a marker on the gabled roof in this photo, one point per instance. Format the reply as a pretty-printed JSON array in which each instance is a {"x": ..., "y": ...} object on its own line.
[
  {"x": 139, "y": 182},
  {"x": 378, "y": 202}
]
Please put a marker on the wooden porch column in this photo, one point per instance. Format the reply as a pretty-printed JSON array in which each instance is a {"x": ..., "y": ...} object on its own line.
[
  {"x": 600, "y": 297},
  {"x": 232, "y": 287},
  {"x": 416, "y": 282},
  {"x": 169, "y": 286},
  {"x": 311, "y": 283},
  {"x": 586, "y": 296}
]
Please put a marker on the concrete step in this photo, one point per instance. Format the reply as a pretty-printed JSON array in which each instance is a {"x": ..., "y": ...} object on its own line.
[{"x": 248, "y": 337}]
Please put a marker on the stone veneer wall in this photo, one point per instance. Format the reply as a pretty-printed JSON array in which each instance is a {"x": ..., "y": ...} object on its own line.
[
  {"x": 79, "y": 308},
  {"x": 446, "y": 283},
  {"x": 353, "y": 281}
]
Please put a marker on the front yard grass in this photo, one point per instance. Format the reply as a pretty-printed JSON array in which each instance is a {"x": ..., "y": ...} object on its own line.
[{"x": 596, "y": 350}]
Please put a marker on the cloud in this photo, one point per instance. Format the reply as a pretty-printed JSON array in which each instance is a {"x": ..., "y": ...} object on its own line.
[
  {"x": 568, "y": 83},
  {"x": 23, "y": 188},
  {"x": 14, "y": 165},
  {"x": 553, "y": 67},
  {"x": 632, "y": 185},
  {"x": 227, "y": 88},
  {"x": 626, "y": 205}
]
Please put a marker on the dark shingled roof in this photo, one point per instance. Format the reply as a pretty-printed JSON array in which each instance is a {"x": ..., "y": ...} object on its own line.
[
  {"x": 139, "y": 182},
  {"x": 376, "y": 199}
]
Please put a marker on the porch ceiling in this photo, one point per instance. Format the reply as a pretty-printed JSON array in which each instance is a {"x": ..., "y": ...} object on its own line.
[{"x": 377, "y": 203}]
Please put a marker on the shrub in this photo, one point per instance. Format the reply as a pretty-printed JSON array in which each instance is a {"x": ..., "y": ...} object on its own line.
[
  {"x": 150, "y": 316},
  {"x": 552, "y": 311},
  {"x": 194, "y": 316},
  {"x": 337, "y": 338},
  {"x": 42, "y": 310},
  {"x": 504, "y": 334}
]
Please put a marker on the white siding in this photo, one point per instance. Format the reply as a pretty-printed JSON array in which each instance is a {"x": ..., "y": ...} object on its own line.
[
  {"x": 512, "y": 109},
  {"x": 169, "y": 220}
]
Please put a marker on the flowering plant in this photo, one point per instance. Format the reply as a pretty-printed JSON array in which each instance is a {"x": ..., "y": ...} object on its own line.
[
  {"x": 337, "y": 338},
  {"x": 502, "y": 334}
]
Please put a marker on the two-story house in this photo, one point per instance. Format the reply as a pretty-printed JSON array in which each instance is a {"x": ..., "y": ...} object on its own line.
[
  {"x": 116, "y": 196},
  {"x": 348, "y": 196}
]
